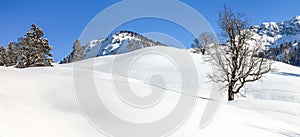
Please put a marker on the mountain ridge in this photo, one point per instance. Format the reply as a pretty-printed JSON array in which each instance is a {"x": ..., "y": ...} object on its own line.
[
  {"x": 280, "y": 39},
  {"x": 116, "y": 43}
]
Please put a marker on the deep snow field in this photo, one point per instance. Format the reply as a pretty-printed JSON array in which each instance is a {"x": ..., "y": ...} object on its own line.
[{"x": 41, "y": 102}]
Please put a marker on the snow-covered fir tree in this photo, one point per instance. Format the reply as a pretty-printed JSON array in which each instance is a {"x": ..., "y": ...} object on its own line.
[
  {"x": 11, "y": 55},
  {"x": 34, "y": 50},
  {"x": 77, "y": 53},
  {"x": 3, "y": 56}
]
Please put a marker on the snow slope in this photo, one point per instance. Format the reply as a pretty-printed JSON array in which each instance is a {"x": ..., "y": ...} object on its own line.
[{"x": 39, "y": 102}]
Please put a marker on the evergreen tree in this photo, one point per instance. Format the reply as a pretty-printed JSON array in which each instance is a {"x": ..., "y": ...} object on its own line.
[
  {"x": 11, "y": 55},
  {"x": 34, "y": 50},
  {"x": 68, "y": 59},
  {"x": 64, "y": 61},
  {"x": 77, "y": 53},
  {"x": 3, "y": 56}
]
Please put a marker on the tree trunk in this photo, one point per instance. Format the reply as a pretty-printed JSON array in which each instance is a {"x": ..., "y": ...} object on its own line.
[{"x": 230, "y": 94}]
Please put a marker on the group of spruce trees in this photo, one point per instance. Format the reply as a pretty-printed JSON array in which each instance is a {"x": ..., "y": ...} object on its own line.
[
  {"x": 8, "y": 56},
  {"x": 287, "y": 52},
  {"x": 32, "y": 50}
]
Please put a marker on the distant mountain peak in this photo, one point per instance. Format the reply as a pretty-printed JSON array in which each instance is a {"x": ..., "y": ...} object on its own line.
[
  {"x": 116, "y": 43},
  {"x": 296, "y": 18},
  {"x": 282, "y": 39}
]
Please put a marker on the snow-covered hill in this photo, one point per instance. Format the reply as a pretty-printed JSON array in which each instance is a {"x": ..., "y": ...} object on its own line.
[
  {"x": 117, "y": 43},
  {"x": 37, "y": 102}
]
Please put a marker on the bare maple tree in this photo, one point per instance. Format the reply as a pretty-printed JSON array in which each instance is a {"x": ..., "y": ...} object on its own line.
[
  {"x": 203, "y": 41},
  {"x": 238, "y": 60}
]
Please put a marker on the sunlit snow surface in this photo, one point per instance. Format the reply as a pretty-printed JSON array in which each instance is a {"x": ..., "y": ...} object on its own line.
[{"x": 41, "y": 102}]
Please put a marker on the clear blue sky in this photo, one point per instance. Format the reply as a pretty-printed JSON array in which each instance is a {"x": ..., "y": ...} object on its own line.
[{"x": 64, "y": 20}]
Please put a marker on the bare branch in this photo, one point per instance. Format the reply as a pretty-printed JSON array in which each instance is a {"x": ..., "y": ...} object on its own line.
[{"x": 241, "y": 64}]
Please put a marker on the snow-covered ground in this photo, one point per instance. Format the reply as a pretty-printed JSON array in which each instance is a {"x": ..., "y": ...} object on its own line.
[{"x": 41, "y": 102}]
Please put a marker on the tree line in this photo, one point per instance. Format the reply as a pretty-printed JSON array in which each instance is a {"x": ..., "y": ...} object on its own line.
[
  {"x": 287, "y": 52},
  {"x": 33, "y": 50}
]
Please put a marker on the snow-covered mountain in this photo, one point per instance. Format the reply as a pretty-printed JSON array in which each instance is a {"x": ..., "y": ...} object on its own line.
[
  {"x": 281, "y": 39},
  {"x": 275, "y": 34},
  {"x": 117, "y": 43}
]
